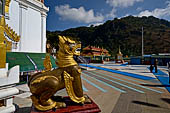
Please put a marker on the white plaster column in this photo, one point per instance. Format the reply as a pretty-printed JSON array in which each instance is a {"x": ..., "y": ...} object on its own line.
[
  {"x": 43, "y": 32},
  {"x": 22, "y": 24}
]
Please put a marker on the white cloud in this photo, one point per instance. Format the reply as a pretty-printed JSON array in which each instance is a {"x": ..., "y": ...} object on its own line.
[
  {"x": 159, "y": 13},
  {"x": 139, "y": 9},
  {"x": 78, "y": 14},
  {"x": 95, "y": 24},
  {"x": 122, "y": 3},
  {"x": 112, "y": 13}
]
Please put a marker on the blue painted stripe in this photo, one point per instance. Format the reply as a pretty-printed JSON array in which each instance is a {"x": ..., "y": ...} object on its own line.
[
  {"x": 164, "y": 81},
  {"x": 123, "y": 73},
  {"x": 124, "y": 64},
  {"x": 118, "y": 83},
  {"x": 132, "y": 79},
  {"x": 103, "y": 90},
  {"x": 133, "y": 84},
  {"x": 123, "y": 77},
  {"x": 85, "y": 89},
  {"x": 163, "y": 78},
  {"x": 160, "y": 73},
  {"x": 106, "y": 84}
]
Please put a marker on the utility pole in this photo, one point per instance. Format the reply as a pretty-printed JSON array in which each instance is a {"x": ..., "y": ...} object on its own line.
[{"x": 142, "y": 41}]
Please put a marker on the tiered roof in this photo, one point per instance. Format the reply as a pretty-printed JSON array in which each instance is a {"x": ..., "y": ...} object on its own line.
[{"x": 94, "y": 51}]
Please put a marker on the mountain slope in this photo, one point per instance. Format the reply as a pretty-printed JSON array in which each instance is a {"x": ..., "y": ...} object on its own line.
[{"x": 126, "y": 33}]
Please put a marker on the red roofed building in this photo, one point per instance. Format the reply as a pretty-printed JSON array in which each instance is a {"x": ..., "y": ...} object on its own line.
[{"x": 92, "y": 51}]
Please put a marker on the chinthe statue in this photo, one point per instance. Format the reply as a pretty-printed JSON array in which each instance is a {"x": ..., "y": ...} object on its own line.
[{"x": 44, "y": 85}]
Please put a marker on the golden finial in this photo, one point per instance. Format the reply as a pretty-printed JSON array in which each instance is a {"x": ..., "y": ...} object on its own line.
[
  {"x": 47, "y": 63},
  {"x": 2, "y": 55},
  {"x": 2, "y": 21},
  {"x": 7, "y": 2},
  {"x": 119, "y": 50}
]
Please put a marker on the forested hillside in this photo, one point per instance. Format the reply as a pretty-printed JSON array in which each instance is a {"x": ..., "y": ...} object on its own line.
[{"x": 125, "y": 32}]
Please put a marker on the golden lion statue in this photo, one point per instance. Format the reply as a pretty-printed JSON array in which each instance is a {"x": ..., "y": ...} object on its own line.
[{"x": 44, "y": 85}]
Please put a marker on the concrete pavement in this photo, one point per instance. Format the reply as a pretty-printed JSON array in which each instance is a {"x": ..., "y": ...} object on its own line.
[{"x": 116, "y": 93}]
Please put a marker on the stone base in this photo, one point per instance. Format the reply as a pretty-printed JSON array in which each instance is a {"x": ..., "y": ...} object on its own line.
[{"x": 72, "y": 108}]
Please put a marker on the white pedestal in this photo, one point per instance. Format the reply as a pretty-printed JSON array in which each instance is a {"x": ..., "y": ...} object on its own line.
[
  {"x": 3, "y": 71},
  {"x": 8, "y": 79}
]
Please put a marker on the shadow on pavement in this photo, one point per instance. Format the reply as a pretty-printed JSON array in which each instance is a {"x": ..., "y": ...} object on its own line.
[
  {"x": 23, "y": 110},
  {"x": 166, "y": 100},
  {"x": 150, "y": 85},
  {"x": 145, "y": 103},
  {"x": 145, "y": 72}
]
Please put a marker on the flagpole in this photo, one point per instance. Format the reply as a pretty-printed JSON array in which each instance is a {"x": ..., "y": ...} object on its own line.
[{"x": 142, "y": 42}]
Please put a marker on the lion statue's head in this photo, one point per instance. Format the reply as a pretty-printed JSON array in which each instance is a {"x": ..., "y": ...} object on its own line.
[{"x": 68, "y": 46}]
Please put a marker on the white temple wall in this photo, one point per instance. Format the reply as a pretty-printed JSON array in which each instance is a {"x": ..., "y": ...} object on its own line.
[
  {"x": 33, "y": 41},
  {"x": 28, "y": 19},
  {"x": 43, "y": 31}
]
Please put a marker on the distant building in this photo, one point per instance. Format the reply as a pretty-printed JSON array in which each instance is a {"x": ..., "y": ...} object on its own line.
[
  {"x": 150, "y": 59},
  {"x": 22, "y": 29},
  {"x": 23, "y": 34},
  {"x": 95, "y": 52}
]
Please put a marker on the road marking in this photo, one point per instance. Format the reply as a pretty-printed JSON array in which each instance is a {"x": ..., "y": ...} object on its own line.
[
  {"x": 112, "y": 74},
  {"x": 118, "y": 83},
  {"x": 103, "y": 90},
  {"x": 85, "y": 89},
  {"x": 123, "y": 77},
  {"x": 120, "y": 72},
  {"x": 163, "y": 78},
  {"x": 133, "y": 83},
  {"x": 105, "y": 83}
]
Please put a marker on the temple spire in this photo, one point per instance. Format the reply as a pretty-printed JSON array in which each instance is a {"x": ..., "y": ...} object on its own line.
[{"x": 119, "y": 50}]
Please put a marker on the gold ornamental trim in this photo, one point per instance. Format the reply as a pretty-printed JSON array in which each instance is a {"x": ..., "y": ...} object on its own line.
[
  {"x": 8, "y": 38},
  {"x": 2, "y": 55},
  {"x": 8, "y": 35},
  {"x": 7, "y": 2},
  {"x": 69, "y": 88}
]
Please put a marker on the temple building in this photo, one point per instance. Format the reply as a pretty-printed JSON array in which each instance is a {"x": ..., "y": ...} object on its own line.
[
  {"x": 27, "y": 18},
  {"x": 23, "y": 34},
  {"x": 22, "y": 45},
  {"x": 95, "y": 52}
]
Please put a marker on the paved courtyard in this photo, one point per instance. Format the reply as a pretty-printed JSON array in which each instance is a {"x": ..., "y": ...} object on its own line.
[{"x": 132, "y": 89}]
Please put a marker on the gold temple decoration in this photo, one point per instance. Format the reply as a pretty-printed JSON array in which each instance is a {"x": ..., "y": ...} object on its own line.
[
  {"x": 47, "y": 63},
  {"x": 8, "y": 37},
  {"x": 2, "y": 55},
  {"x": 120, "y": 53},
  {"x": 44, "y": 85},
  {"x": 119, "y": 57},
  {"x": 7, "y": 2}
]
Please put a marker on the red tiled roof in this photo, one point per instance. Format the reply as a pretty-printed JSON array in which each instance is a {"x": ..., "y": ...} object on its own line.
[
  {"x": 94, "y": 48},
  {"x": 104, "y": 50},
  {"x": 94, "y": 51}
]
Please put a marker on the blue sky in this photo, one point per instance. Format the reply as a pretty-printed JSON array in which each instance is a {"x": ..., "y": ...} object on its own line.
[{"x": 65, "y": 14}]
